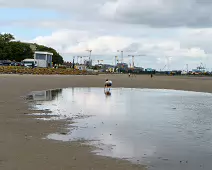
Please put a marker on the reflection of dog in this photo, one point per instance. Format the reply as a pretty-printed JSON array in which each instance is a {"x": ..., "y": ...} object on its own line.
[{"x": 107, "y": 93}]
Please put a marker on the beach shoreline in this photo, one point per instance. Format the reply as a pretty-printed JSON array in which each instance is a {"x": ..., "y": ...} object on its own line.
[{"x": 21, "y": 143}]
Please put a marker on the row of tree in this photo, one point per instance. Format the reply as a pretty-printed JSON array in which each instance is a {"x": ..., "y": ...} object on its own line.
[{"x": 18, "y": 51}]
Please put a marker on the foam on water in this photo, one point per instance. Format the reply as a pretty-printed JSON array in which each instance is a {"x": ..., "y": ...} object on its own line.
[{"x": 165, "y": 129}]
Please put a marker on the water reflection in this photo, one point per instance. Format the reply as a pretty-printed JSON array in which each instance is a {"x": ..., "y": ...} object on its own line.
[
  {"x": 165, "y": 129},
  {"x": 107, "y": 93},
  {"x": 48, "y": 95}
]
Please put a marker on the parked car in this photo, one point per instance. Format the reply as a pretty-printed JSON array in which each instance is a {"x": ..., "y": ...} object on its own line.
[
  {"x": 19, "y": 64},
  {"x": 13, "y": 64}
]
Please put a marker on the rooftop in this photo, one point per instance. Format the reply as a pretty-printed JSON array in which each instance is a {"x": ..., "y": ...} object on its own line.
[{"x": 42, "y": 52}]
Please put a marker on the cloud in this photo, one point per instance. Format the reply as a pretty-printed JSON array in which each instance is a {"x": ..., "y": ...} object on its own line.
[
  {"x": 153, "y": 13},
  {"x": 76, "y": 41},
  {"x": 199, "y": 38},
  {"x": 154, "y": 28},
  {"x": 160, "y": 13},
  {"x": 154, "y": 51}
]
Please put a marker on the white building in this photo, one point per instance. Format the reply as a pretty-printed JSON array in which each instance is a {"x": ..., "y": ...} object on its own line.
[
  {"x": 43, "y": 59},
  {"x": 80, "y": 67}
]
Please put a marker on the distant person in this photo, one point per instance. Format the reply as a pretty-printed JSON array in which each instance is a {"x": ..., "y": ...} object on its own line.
[
  {"x": 151, "y": 75},
  {"x": 33, "y": 65},
  {"x": 129, "y": 74}
]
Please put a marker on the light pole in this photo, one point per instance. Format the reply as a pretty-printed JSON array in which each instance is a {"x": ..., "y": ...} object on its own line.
[
  {"x": 89, "y": 54},
  {"x": 116, "y": 60},
  {"x": 168, "y": 62},
  {"x": 78, "y": 59},
  {"x": 73, "y": 62},
  {"x": 122, "y": 55},
  {"x": 187, "y": 67}
]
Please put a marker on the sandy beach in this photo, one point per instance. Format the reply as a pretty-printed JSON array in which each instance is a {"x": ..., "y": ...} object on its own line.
[{"x": 22, "y": 146}]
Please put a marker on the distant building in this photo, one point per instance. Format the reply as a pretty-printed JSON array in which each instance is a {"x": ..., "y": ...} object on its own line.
[
  {"x": 88, "y": 63},
  {"x": 107, "y": 68},
  {"x": 80, "y": 67},
  {"x": 149, "y": 69},
  {"x": 43, "y": 59},
  {"x": 176, "y": 72},
  {"x": 136, "y": 70},
  {"x": 68, "y": 64},
  {"x": 122, "y": 67}
]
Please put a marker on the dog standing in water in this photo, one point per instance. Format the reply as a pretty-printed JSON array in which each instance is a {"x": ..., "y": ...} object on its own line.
[{"x": 108, "y": 84}]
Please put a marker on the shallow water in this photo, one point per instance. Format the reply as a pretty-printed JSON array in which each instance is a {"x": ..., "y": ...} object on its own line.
[{"x": 164, "y": 129}]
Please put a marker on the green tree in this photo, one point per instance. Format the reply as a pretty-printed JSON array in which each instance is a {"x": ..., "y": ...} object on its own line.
[
  {"x": 18, "y": 51},
  {"x": 5, "y": 49},
  {"x": 13, "y": 50},
  {"x": 6, "y": 37},
  {"x": 56, "y": 59}
]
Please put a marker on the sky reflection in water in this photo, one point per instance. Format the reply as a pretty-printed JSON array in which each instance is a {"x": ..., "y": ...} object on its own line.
[{"x": 164, "y": 129}]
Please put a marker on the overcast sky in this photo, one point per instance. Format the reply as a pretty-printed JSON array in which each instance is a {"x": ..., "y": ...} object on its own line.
[{"x": 178, "y": 30}]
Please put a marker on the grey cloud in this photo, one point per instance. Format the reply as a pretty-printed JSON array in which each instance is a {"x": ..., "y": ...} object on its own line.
[
  {"x": 82, "y": 9},
  {"x": 163, "y": 13},
  {"x": 153, "y": 13},
  {"x": 98, "y": 18}
]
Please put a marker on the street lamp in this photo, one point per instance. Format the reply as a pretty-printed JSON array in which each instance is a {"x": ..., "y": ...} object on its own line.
[
  {"x": 168, "y": 63},
  {"x": 122, "y": 55},
  {"x": 187, "y": 67},
  {"x": 89, "y": 53},
  {"x": 73, "y": 62}
]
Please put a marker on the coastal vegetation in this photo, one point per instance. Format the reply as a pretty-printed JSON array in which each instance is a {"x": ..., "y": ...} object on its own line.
[{"x": 40, "y": 71}]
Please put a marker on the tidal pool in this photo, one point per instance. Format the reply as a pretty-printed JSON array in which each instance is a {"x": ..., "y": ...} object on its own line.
[{"x": 163, "y": 129}]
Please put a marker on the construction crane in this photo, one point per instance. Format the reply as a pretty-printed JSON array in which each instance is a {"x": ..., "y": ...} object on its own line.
[
  {"x": 89, "y": 54},
  {"x": 133, "y": 59},
  {"x": 122, "y": 54},
  {"x": 168, "y": 59},
  {"x": 201, "y": 67},
  {"x": 163, "y": 68}
]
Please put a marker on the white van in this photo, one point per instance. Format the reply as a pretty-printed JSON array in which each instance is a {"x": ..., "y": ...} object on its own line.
[{"x": 29, "y": 62}]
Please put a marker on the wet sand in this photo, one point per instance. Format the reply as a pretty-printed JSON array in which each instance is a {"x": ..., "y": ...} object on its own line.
[{"x": 21, "y": 143}]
